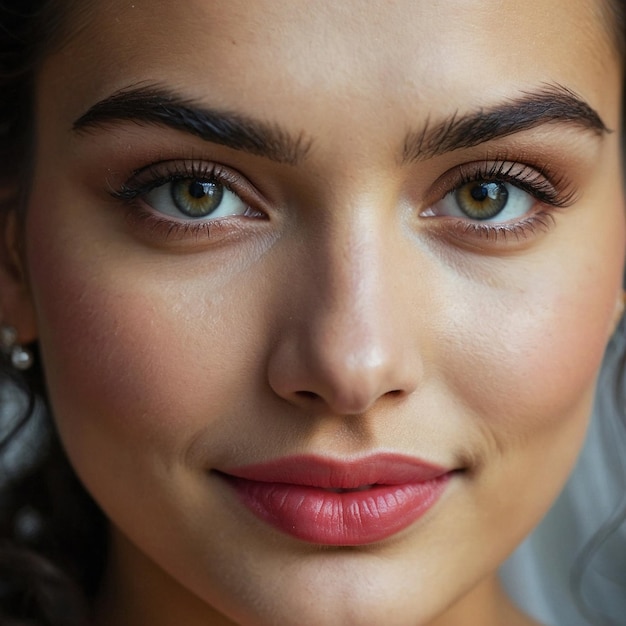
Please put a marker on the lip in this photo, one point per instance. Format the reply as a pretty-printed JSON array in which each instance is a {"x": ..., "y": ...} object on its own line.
[{"x": 339, "y": 503}]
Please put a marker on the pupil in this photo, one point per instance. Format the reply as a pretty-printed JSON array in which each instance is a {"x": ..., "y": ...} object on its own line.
[
  {"x": 196, "y": 197},
  {"x": 482, "y": 200},
  {"x": 196, "y": 190},
  {"x": 480, "y": 192}
]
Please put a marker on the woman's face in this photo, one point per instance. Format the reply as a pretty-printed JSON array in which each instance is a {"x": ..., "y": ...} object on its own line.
[{"x": 321, "y": 297}]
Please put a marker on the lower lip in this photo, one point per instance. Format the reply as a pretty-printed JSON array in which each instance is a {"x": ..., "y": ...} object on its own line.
[{"x": 351, "y": 518}]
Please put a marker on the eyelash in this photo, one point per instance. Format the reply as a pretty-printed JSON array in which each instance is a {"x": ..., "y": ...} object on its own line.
[{"x": 550, "y": 190}]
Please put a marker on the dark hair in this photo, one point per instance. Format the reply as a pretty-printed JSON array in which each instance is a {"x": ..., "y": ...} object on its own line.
[{"x": 53, "y": 537}]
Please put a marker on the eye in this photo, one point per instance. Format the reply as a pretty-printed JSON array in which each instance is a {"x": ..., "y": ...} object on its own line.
[
  {"x": 195, "y": 199},
  {"x": 485, "y": 201}
]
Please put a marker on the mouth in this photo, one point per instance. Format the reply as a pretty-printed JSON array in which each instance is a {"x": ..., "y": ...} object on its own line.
[
  {"x": 339, "y": 490},
  {"x": 336, "y": 503}
]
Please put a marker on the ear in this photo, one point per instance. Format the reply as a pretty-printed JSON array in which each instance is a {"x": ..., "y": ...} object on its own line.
[{"x": 16, "y": 306}]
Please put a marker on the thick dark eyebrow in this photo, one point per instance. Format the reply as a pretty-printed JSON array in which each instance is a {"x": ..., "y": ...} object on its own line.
[
  {"x": 550, "y": 105},
  {"x": 156, "y": 105}
]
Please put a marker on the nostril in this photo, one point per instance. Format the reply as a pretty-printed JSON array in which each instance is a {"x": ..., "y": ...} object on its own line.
[
  {"x": 308, "y": 395},
  {"x": 395, "y": 393},
  {"x": 348, "y": 405}
]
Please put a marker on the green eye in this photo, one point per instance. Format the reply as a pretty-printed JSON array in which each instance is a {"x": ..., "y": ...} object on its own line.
[
  {"x": 485, "y": 201},
  {"x": 196, "y": 198},
  {"x": 482, "y": 200}
]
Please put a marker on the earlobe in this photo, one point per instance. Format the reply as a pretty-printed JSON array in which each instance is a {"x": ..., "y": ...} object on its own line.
[{"x": 16, "y": 307}]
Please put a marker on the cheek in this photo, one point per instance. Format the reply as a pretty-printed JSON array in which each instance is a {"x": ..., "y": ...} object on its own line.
[
  {"x": 528, "y": 367},
  {"x": 130, "y": 357},
  {"x": 533, "y": 360}
]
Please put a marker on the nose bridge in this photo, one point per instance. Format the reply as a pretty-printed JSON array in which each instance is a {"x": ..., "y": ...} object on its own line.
[
  {"x": 355, "y": 292},
  {"x": 347, "y": 349}
]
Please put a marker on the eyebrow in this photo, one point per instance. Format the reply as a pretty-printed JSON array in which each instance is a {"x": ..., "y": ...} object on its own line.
[
  {"x": 550, "y": 104},
  {"x": 155, "y": 105}
]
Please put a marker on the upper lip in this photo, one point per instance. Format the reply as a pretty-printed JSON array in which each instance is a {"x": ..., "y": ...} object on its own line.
[{"x": 329, "y": 473}]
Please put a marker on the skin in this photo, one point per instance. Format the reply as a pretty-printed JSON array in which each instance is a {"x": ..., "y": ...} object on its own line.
[{"x": 338, "y": 319}]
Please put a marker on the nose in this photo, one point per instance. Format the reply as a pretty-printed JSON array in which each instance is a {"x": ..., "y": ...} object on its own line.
[{"x": 344, "y": 342}]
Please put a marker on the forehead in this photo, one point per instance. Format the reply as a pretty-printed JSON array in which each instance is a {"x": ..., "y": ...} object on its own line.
[{"x": 282, "y": 57}]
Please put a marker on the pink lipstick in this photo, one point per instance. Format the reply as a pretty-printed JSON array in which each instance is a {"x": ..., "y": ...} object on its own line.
[{"x": 337, "y": 503}]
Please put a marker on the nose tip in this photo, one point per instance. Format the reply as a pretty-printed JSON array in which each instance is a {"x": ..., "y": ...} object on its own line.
[{"x": 340, "y": 378}]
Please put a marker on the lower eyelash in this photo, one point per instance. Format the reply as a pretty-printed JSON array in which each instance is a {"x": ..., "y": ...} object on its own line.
[
  {"x": 521, "y": 230},
  {"x": 168, "y": 229}
]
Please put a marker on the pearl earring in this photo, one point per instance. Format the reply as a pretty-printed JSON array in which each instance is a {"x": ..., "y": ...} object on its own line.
[{"x": 21, "y": 358}]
